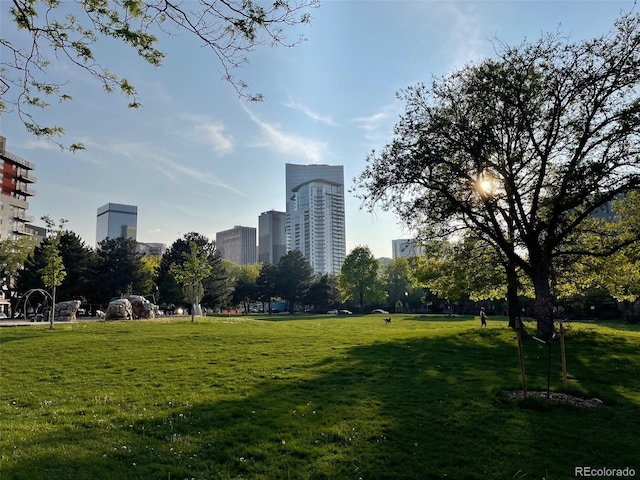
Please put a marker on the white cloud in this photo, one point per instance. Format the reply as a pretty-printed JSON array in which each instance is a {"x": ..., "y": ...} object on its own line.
[
  {"x": 288, "y": 143},
  {"x": 214, "y": 135},
  {"x": 161, "y": 160},
  {"x": 201, "y": 129},
  {"x": 41, "y": 144},
  {"x": 310, "y": 113},
  {"x": 469, "y": 44},
  {"x": 378, "y": 126}
]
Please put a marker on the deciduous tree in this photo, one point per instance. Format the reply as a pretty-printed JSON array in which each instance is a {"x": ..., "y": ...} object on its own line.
[
  {"x": 246, "y": 290},
  {"x": 617, "y": 274},
  {"x": 53, "y": 271},
  {"x": 323, "y": 293},
  {"x": 522, "y": 149},
  {"x": 397, "y": 278},
  {"x": 293, "y": 277},
  {"x": 217, "y": 286},
  {"x": 14, "y": 253},
  {"x": 358, "y": 278},
  {"x": 266, "y": 284},
  {"x": 190, "y": 273}
]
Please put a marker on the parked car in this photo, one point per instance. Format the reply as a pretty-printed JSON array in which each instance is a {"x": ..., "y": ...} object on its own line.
[
  {"x": 379, "y": 310},
  {"x": 345, "y": 312},
  {"x": 332, "y": 312}
]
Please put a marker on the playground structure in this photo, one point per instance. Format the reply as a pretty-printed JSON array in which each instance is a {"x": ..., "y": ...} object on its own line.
[{"x": 34, "y": 305}]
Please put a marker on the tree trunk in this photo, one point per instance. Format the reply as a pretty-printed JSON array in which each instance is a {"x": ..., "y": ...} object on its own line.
[
  {"x": 53, "y": 310},
  {"x": 512, "y": 294},
  {"x": 543, "y": 305}
]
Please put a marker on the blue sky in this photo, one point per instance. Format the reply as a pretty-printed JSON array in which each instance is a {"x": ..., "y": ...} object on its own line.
[{"x": 198, "y": 158}]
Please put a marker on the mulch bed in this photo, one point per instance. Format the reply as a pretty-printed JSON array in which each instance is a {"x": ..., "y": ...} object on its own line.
[{"x": 558, "y": 397}]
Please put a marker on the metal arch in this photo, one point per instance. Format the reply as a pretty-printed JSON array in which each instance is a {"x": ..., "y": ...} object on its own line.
[{"x": 28, "y": 293}]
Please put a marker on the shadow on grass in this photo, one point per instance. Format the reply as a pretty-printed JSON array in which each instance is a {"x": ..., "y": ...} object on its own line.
[
  {"x": 621, "y": 325},
  {"x": 404, "y": 409}
]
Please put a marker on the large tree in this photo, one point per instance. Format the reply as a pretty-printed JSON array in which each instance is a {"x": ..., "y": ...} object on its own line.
[
  {"x": 266, "y": 284},
  {"x": 217, "y": 287},
  {"x": 617, "y": 274},
  {"x": 245, "y": 290},
  {"x": 117, "y": 270},
  {"x": 523, "y": 149},
  {"x": 293, "y": 277},
  {"x": 323, "y": 293},
  {"x": 398, "y": 285},
  {"x": 50, "y": 31},
  {"x": 78, "y": 259},
  {"x": 358, "y": 278}
]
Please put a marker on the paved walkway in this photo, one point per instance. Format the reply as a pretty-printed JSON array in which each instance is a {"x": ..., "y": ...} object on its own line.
[{"x": 15, "y": 322}]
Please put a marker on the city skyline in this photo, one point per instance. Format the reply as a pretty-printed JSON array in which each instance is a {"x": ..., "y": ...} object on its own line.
[{"x": 196, "y": 158}]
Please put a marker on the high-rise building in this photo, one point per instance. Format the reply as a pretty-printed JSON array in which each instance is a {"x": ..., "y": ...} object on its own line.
[
  {"x": 115, "y": 220},
  {"x": 406, "y": 247},
  {"x": 237, "y": 245},
  {"x": 152, "y": 249},
  {"x": 272, "y": 243},
  {"x": 315, "y": 217},
  {"x": 16, "y": 181}
]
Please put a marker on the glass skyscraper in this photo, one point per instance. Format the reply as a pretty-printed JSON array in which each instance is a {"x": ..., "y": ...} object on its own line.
[
  {"x": 116, "y": 220},
  {"x": 315, "y": 216},
  {"x": 272, "y": 244}
]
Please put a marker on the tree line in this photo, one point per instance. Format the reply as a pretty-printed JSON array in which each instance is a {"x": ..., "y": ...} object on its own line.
[{"x": 453, "y": 277}]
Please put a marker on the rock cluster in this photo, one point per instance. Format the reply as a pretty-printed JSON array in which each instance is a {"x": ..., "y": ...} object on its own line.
[
  {"x": 66, "y": 311},
  {"x": 558, "y": 397},
  {"x": 141, "y": 307},
  {"x": 130, "y": 307}
]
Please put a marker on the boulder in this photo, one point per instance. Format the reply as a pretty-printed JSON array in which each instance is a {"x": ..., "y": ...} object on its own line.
[
  {"x": 119, "y": 309},
  {"x": 141, "y": 307},
  {"x": 66, "y": 311}
]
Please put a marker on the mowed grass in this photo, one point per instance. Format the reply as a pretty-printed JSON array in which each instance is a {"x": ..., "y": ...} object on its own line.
[{"x": 310, "y": 398}]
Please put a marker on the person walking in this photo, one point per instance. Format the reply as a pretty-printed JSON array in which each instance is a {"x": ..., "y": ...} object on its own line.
[{"x": 483, "y": 317}]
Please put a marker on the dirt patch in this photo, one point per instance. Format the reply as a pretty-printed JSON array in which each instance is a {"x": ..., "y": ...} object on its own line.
[{"x": 558, "y": 397}]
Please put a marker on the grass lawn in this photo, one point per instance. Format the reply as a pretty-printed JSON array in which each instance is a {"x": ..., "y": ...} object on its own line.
[{"x": 310, "y": 398}]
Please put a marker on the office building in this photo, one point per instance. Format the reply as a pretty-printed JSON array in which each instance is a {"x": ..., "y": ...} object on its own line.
[
  {"x": 315, "y": 215},
  {"x": 152, "y": 249},
  {"x": 38, "y": 233},
  {"x": 237, "y": 245},
  {"x": 16, "y": 190},
  {"x": 406, "y": 247},
  {"x": 272, "y": 244},
  {"x": 115, "y": 220}
]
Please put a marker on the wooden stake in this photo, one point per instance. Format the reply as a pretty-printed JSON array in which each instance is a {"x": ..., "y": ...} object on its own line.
[
  {"x": 521, "y": 359},
  {"x": 563, "y": 356}
]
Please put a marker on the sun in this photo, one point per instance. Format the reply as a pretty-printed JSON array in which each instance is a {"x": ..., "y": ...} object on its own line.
[{"x": 485, "y": 186}]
